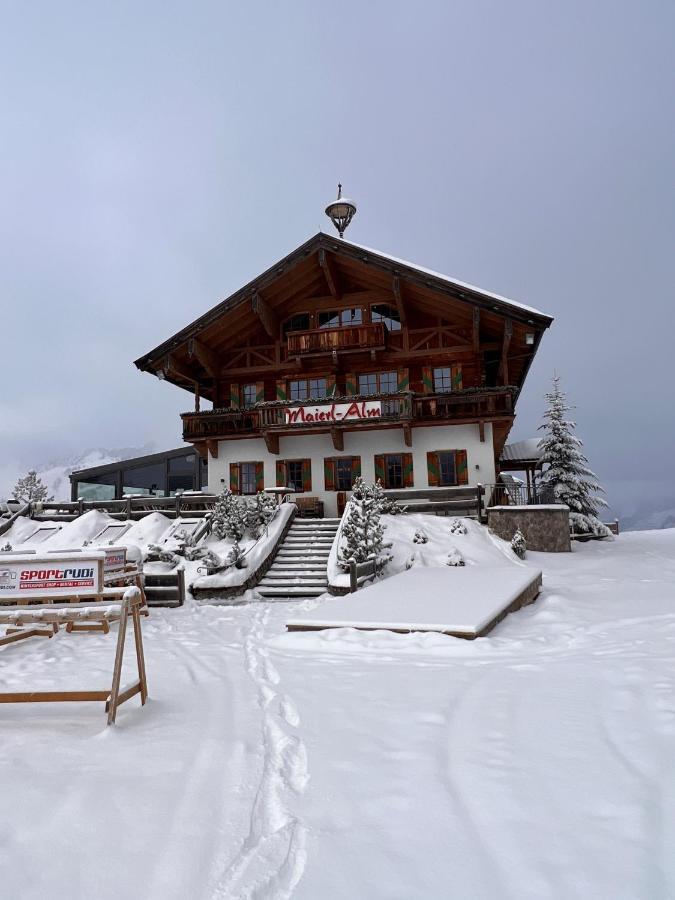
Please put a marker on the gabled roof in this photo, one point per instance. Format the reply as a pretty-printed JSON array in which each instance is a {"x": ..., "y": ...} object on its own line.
[{"x": 375, "y": 258}]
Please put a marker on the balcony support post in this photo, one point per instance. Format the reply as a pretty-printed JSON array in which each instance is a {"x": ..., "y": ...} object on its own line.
[
  {"x": 407, "y": 434},
  {"x": 213, "y": 448},
  {"x": 271, "y": 441},
  {"x": 338, "y": 438},
  {"x": 481, "y": 430}
]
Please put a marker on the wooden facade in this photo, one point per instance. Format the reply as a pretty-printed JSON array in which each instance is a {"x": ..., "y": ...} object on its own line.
[{"x": 335, "y": 322}]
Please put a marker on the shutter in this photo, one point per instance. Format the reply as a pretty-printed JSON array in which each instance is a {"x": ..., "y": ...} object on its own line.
[
  {"x": 306, "y": 475},
  {"x": 456, "y": 378},
  {"x": 260, "y": 392},
  {"x": 234, "y": 396},
  {"x": 379, "y": 467},
  {"x": 403, "y": 381},
  {"x": 408, "y": 478},
  {"x": 234, "y": 478},
  {"x": 433, "y": 469},
  {"x": 351, "y": 384},
  {"x": 427, "y": 380},
  {"x": 356, "y": 468},
  {"x": 259, "y": 476},
  {"x": 461, "y": 467},
  {"x": 330, "y": 385},
  {"x": 281, "y": 473},
  {"x": 329, "y": 474},
  {"x": 281, "y": 390}
]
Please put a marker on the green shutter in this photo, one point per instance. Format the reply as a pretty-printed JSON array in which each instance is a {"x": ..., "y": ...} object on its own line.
[
  {"x": 462, "y": 467},
  {"x": 330, "y": 385},
  {"x": 329, "y": 474},
  {"x": 403, "y": 381},
  {"x": 356, "y": 468},
  {"x": 433, "y": 469},
  {"x": 259, "y": 476},
  {"x": 427, "y": 380},
  {"x": 234, "y": 478},
  {"x": 457, "y": 378},
  {"x": 351, "y": 384},
  {"x": 260, "y": 392},
  {"x": 281, "y": 473},
  {"x": 234, "y": 396},
  {"x": 408, "y": 478},
  {"x": 282, "y": 390},
  {"x": 306, "y": 475},
  {"x": 379, "y": 467}
]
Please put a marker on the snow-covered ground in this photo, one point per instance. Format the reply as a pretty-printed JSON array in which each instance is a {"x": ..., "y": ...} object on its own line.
[{"x": 538, "y": 762}]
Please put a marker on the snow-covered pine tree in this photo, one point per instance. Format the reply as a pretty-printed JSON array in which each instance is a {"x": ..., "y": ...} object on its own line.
[
  {"x": 519, "y": 544},
  {"x": 260, "y": 511},
  {"x": 229, "y": 516},
  {"x": 567, "y": 476},
  {"x": 362, "y": 532},
  {"x": 31, "y": 489}
]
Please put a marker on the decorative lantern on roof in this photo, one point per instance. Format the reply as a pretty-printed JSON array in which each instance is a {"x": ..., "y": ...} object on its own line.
[{"x": 341, "y": 212}]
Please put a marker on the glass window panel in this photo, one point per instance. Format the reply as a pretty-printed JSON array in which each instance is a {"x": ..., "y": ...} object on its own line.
[
  {"x": 446, "y": 464},
  {"x": 393, "y": 471},
  {"x": 298, "y": 390},
  {"x": 247, "y": 479},
  {"x": 368, "y": 383},
  {"x": 343, "y": 474},
  {"x": 294, "y": 474},
  {"x": 317, "y": 387},
  {"x": 351, "y": 316},
  {"x": 300, "y": 322},
  {"x": 144, "y": 480},
  {"x": 382, "y": 312},
  {"x": 248, "y": 395},
  {"x": 101, "y": 487},
  {"x": 388, "y": 382},
  {"x": 443, "y": 379},
  {"x": 329, "y": 319}
]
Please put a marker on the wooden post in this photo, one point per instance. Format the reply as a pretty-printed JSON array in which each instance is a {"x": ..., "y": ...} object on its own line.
[
  {"x": 353, "y": 578},
  {"x": 119, "y": 657},
  {"x": 140, "y": 656}
]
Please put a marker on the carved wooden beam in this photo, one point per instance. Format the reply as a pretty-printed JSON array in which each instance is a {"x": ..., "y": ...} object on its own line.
[
  {"x": 213, "y": 448},
  {"x": 397, "y": 288},
  {"x": 206, "y": 356},
  {"x": 338, "y": 436},
  {"x": 330, "y": 274},
  {"x": 506, "y": 342},
  {"x": 201, "y": 449},
  {"x": 266, "y": 314},
  {"x": 178, "y": 368},
  {"x": 407, "y": 435},
  {"x": 481, "y": 430},
  {"x": 271, "y": 441},
  {"x": 476, "y": 329}
]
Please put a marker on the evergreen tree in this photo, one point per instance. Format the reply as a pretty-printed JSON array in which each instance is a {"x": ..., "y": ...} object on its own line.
[
  {"x": 260, "y": 511},
  {"x": 567, "y": 476},
  {"x": 31, "y": 489},
  {"x": 362, "y": 532},
  {"x": 229, "y": 516},
  {"x": 519, "y": 544}
]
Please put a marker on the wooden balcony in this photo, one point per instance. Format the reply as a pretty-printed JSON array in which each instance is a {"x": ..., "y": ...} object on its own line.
[
  {"x": 328, "y": 340},
  {"x": 467, "y": 405}
]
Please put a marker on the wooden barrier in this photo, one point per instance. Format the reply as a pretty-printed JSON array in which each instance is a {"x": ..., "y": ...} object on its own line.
[{"x": 130, "y": 604}]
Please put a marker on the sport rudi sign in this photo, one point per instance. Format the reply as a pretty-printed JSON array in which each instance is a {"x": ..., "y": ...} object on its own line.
[
  {"x": 334, "y": 412},
  {"x": 35, "y": 576}
]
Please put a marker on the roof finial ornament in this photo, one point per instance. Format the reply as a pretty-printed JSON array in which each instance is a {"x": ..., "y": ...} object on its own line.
[{"x": 341, "y": 212}]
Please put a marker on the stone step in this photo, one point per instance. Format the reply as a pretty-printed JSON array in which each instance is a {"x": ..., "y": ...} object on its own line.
[
  {"x": 291, "y": 592},
  {"x": 278, "y": 586},
  {"x": 294, "y": 571}
]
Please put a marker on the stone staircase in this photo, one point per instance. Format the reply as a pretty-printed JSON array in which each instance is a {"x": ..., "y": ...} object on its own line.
[{"x": 299, "y": 568}]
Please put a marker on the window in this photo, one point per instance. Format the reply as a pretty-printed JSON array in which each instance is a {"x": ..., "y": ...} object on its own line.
[
  {"x": 181, "y": 473},
  {"x": 343, "y": 474},
  {"x": 248, "y": 395},
  {"x": 96, "y": 489},
  {"x": 393, "y": 470},
  {"x": 144, "y": 480},
  {"x": 299, "y": 322},
  {"x": 378, "y": 383},
  {"x": 295, "y": 474},
  {"x": 335, "y": 318},
  {"x": 446, "y": 468},
  {"x": 247, "y": 478},
  {"x": 340, "y": 472},
  {"x": 308, "y": 388},
  {"x": 382, "y": 312},
  {"x": 443, "y": 379}
]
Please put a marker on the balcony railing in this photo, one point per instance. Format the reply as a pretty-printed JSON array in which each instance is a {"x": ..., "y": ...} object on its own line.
[
  {"x": 326, "y": 340},
  {"x": 472, "y": 403}
]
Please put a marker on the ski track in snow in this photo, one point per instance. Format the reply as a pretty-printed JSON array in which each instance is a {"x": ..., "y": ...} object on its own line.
[{"x": 271, "y": 861}]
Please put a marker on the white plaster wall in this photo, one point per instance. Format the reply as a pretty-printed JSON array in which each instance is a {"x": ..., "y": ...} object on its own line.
[{"x": 366, "y": 444}]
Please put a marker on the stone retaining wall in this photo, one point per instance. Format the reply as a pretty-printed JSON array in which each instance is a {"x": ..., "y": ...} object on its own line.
[{"x": 545, "y": 528}]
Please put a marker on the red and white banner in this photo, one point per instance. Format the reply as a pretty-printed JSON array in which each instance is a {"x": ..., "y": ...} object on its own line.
[
  {"x": 325, "y": 413},
  {"x": 50, "y": 576}
]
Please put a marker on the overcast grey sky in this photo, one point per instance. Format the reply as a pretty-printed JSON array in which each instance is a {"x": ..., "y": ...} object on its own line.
[{"x": 156, "y": 156}]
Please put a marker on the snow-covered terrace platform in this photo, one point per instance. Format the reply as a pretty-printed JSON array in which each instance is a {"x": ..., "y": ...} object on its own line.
[{"x": 465, "y": 602}]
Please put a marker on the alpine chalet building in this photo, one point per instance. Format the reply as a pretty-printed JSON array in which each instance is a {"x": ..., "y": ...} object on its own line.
[{"x": 341, "y": 361}]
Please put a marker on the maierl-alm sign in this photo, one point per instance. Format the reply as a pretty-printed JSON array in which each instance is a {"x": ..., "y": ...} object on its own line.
[{"x": 356, "y": 411}]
